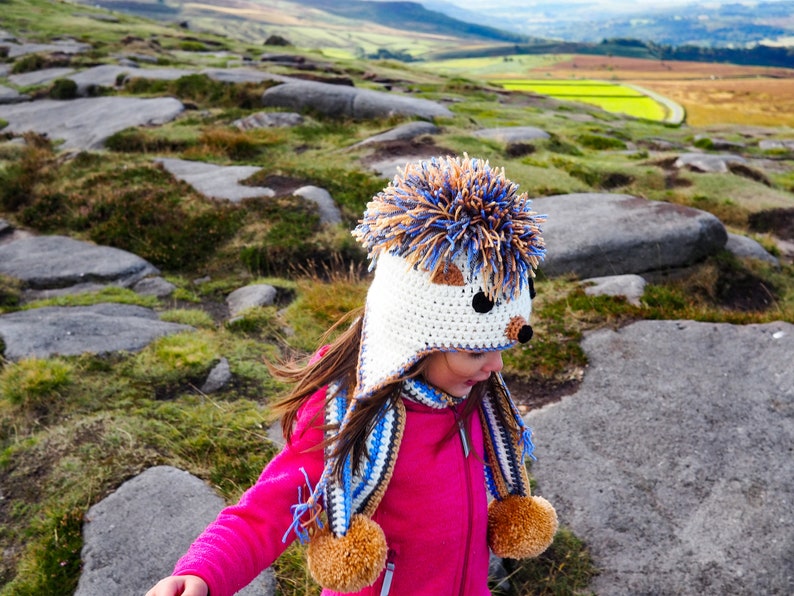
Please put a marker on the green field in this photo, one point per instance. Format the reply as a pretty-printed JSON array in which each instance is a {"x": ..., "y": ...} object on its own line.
[{"x": 611, "y": 97}]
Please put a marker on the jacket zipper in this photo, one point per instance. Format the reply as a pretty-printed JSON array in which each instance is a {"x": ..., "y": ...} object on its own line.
[
  {"x": 387, "y": 577},
  {"x": 469, "y": 498}
]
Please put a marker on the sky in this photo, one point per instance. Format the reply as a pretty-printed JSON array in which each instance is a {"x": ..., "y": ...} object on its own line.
[{"x": 606, "y": 4}]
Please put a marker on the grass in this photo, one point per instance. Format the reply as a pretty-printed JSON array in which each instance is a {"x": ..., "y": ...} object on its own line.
[{"x": 119, "y": 414}]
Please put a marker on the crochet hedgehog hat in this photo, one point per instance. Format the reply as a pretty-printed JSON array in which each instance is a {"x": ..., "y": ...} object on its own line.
[{"x": 454, "y": 248}]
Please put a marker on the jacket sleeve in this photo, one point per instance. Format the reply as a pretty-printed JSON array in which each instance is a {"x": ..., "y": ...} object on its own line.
[{"x": 247, "y": 537}]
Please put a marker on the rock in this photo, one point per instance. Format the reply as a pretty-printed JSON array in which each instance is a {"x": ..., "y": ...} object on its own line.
[
  {"x": 268, "y": 120},
  {"x": 214, "y": 181},
  {"x": 249, "y": 297},
  {"x": 593, "y": 235},
  {"x": 134, "y": 536},
  {"x": 349, "y": 102},
  {"x": 5, "y": 227},
  {"x": 219, "y": 377},
  {"x": 513, "y": 134},
  {"x": 776, "y": 145},
  {"x": 326, "y": 207},
  {"x": 54, "y": 262},
  {"x": 705, "y": 163},
  {"x": 85, "y": 123},
  {"x": 673, "y": 461},
  {"x": 9, "y": 95},
  {"x": 154, "y": 286},
  {"x": 15, "y": 50},
  {"x": 39, "y": 77},
  {"x": 242, "y": 75},
  {"x": 657, "y": 144},
  {"x": 404, "y": 132},
  {"x": 104, "y": 75},
  {"x": 97, "y": 329},
  {"x": 745, "y": 247},
  {"x": 630, "y": 287}
]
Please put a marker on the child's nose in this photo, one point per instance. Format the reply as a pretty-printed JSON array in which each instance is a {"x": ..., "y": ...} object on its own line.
[{"x": 493, "y": 362}]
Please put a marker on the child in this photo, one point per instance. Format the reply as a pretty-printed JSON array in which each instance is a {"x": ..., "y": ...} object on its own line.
[{"x": 395, "y": 430}]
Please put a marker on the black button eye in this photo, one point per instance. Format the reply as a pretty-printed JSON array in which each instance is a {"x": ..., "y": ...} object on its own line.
[
  {"x": 532, "y": 292},
  {"x": 481, "y": 303},
  {"x": 525, "y": 334}
]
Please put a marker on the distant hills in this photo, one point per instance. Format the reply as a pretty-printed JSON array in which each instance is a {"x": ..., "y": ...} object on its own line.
[{"x": 409, "y": 31}]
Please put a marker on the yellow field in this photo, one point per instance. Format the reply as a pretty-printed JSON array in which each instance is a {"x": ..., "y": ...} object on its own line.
[{"x": 608, "y": 96}]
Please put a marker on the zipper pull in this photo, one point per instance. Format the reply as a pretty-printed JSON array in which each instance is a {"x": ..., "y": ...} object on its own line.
[
  {"x": 387, "y": 577},
  {"x": 464, "y": 437}
]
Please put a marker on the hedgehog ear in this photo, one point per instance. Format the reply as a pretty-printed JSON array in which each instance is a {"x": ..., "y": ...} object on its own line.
[{"x": 448, "y": 274}]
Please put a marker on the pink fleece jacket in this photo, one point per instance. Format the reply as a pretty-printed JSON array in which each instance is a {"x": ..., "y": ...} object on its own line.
[{"x": 434, "y": 512}]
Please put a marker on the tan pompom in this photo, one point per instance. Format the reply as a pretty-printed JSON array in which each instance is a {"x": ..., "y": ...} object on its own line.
[
  {"x": 351, "y": 562},
  {"x": 521, "y": 527}
]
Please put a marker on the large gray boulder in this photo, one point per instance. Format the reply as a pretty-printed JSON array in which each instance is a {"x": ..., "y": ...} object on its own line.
[
  {"x": 39, "y": 77},
  {"x": 86, "y": 123},
  {"x": 71, "y": 330},
  {"x": 403, "y": 132},
  {"x": 673, "y": 462},
  {"x": 52, "y": 262},
  {"x": 134, "y": 536},
  {"x": 593, "y": 234},
  {"x": 349, "y": 102}
]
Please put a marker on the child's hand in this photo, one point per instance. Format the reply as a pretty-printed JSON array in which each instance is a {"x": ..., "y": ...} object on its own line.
[{"x": 180, "y": 585}]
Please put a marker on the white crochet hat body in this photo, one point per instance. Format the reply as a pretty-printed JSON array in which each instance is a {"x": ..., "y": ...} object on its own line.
[{"x": 411, "y": 313}]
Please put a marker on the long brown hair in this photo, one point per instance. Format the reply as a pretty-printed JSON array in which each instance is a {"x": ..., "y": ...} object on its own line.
[{"x": 339, "y": 364}]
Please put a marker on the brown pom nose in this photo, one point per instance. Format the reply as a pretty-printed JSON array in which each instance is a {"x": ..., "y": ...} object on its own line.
[{"x": 518, "y": 330}]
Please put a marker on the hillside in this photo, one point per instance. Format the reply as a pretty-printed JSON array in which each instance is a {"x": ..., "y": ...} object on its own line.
[{"x": 74, "y": 427}]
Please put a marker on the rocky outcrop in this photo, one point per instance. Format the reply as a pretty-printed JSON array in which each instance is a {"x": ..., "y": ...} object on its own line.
[
  {"x": 673, "y": 461},
  {"x": 349, "y": 102},
  {"x": 97, "y": 329},
  {"x": 85, "y": 123},
  {"x": 593, "y": 235}
]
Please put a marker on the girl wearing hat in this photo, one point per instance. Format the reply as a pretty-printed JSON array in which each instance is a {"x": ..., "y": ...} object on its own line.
[{"x": 398, "y": 431}]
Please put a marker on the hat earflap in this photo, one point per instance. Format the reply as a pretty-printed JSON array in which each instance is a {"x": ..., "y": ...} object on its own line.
[
  {"x": 348, "y": 553},
  {"x": 520, "y": 525}
]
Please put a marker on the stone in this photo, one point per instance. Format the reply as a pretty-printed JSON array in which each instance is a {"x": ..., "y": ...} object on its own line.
[
  {"x": 404, "y": 132},
  {"x": 250, "y": 296},
  {"x": 219, "y": 377},
  {"x": 326, "y": 207},
  {"x": 9, "y": 95},
  {"x": 745, "y": 247},
  {"x": 269, "y": 120},
  {"x": 134, "y": 536},
  {"x": 85, "y": 123},
  {"x": 71, "y": 330},
  {"x": 349, "y": 102},
  {"x": 214, "y": 181},
  {"x": 629, "y": 286},
  {"x": 707, "y": 163},
  {"x": 39, "y": 77},
  {"x": 54, "y": 262},
  {"x": 103, "y": 75},
  {"x": 513, "y": 134},
  {"x": 673, "y": 461},
  {"x": 154, "y": 286},
  {"x": 598, "y": 234},
  {"x": 776, "y": 145},
  {"x": 15, "y": 50}
]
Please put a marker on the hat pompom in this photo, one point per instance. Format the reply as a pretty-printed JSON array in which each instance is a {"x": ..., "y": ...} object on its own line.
[
  {"x": 351, "y": 562},
  {"x": 521, "y": 527}
]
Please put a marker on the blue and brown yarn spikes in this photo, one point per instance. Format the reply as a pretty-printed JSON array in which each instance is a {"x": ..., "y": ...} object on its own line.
[{"x": 447, "y": 208}]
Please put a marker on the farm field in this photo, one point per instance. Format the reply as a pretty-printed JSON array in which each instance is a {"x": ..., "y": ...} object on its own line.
[
  {"x": 710, "y": 93},
  {"x": 611, "y": 97}
]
